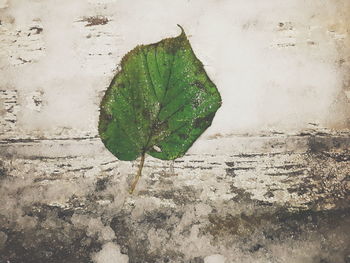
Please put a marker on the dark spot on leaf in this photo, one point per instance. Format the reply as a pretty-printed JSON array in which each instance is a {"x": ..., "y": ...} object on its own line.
[
  {"x": 203, "y": 121},
  {"x": 146, "y": 114},
  {"x": 183, "y": 136},
  {"x": 199, "y": 85},
  {"x": 107, "y": 117}
]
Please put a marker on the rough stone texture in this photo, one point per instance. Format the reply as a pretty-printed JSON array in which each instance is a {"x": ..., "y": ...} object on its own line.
[{"x": 268, "y": 203}]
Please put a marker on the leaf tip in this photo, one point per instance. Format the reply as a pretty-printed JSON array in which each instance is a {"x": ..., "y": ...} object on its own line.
[{"x": 182, "y": 30}]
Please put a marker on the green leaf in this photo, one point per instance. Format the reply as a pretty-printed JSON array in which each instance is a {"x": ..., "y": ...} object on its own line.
[{"x": 159, "y": 103}]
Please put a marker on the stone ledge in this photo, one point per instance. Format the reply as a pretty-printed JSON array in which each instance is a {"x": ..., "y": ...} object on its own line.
[
  {"x": 222, "y": 145},
  {"x": 268, "y": 199}
]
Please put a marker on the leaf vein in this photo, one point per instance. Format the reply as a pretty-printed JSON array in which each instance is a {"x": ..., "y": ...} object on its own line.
[
  {"x": 149, "y": 73},
  {"x": 156, "y": 59},
  {"x": 169, "y": 75}
]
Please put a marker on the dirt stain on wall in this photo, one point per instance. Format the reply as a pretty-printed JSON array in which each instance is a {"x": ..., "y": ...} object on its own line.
[{"x": 95, "y": 20}]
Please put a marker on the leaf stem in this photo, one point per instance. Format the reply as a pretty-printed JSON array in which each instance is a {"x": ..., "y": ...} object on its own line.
[{"x": 138, "y": 175}]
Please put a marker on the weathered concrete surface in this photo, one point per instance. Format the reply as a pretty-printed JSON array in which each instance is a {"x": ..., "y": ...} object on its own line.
[
  {"x": 269, "y": 197},
  {"x": 267, "y": 203}
]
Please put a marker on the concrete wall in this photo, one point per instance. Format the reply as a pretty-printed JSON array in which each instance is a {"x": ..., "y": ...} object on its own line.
[{"x": 268, "y": 182}]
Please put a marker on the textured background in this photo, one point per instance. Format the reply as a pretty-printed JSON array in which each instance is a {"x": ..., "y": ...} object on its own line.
[{"x": 268, "y": 182}]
